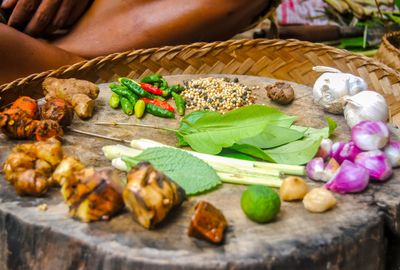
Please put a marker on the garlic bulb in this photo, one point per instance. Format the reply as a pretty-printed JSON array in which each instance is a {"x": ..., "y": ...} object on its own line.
[
  {"x": 332, "y": 86},
  {"x": 366, "y": 105}
]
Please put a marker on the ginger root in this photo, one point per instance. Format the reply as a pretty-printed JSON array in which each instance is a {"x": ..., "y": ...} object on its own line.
[{"x": 79, "y": 93}]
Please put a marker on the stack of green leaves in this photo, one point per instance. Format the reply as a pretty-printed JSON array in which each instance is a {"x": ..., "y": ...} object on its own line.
[{"x": 257, "y": 131}]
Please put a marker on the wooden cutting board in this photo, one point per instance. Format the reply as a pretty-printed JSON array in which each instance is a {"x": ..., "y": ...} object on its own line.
[{"x": 349, "y": 237}]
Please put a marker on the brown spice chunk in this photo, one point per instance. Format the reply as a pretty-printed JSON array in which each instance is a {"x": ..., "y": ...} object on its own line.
[
  {"x": 280, "y": 92},
  {"x": 208, "y": 223}
]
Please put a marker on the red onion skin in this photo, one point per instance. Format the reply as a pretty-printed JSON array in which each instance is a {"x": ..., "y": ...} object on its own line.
[
  {"x": 348, "y": 152},
  {"x": 335, "y": 151},
  {"x": 324, "y": 149},
  {"x": 370, "y": 135},
  {"x": 350, "y": 178},
  {"x": 315, "y": 168},
  {"x": 376, "y": 163},
  {"x": 392, "y": 151}
]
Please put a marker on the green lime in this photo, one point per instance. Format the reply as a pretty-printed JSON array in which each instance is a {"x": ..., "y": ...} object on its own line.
[{"x": 260, "y": 203}]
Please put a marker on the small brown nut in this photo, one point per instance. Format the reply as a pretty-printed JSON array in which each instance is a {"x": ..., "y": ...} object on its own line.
[
  {"x": 319, "y": 200},
  {"x": 293, "y": 188},
  {"x": 280, "y": 92}
]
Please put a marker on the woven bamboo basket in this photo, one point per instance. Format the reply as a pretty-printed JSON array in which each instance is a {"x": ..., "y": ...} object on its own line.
[
  {"x": 388, "y": 52},
  {"x": 290, "y": 60}
]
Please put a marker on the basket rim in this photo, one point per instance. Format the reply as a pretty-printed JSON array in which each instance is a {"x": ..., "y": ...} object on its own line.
[
  {"x": 388, "y": 44},
  {"x": 278, "y": 43}
]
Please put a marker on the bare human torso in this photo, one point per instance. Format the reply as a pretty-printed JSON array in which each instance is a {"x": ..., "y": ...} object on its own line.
[{"x": 119, "y": 25}]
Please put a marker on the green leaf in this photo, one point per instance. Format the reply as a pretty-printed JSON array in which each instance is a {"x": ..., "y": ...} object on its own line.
[
  {"x": 332, "y": 125},
  {"x": 191, "y": 173},
  {"x": 234, "y": 154},
  {"x": 313, "y": 132},
  {"x": 212, "y": 132},
  {"x": 296, "y": 153},
  {"x": 253, "y": 151},
  {"x": 273, "y": 136},
  {"x": 187, "y": 122}
]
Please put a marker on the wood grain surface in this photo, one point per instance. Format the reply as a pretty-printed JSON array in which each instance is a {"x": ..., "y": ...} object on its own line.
[{"x": 351, "y": 236}]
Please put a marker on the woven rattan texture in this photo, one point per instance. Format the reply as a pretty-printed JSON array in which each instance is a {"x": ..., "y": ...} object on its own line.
[
  {"x": 388, "y": 53},
  {"x": 290, "y": 60}
]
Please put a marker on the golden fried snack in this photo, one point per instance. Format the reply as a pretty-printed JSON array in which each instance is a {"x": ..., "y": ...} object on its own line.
[
  {"x": 93, "y": 194},
  {"x": 79, "y": 93},
  {"x": 50, "y": 151},
  {"x": 59, "y": 110},
  {"x": 31, "y": 182},
  {"x": 29, "y": 166},
  {"x": 150, "y": 195},
  {"x": 208, "y": 223},
  {"x": 65, "y": 171},
  {"x": 15, "y": 164}
]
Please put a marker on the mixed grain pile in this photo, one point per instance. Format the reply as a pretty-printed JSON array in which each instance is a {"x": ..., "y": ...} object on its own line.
[{"x": 217, "y": 94}]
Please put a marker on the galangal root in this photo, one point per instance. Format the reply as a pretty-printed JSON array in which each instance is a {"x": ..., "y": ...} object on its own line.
[{"x": 79, "y": 93}]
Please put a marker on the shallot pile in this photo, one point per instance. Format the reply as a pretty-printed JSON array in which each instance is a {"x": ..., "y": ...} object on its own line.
[{"x": 347, "y": 167}]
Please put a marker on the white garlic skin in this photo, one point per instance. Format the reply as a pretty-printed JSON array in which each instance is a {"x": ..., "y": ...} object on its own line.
[
  {"x": 330, "y": 89},
  {"x": 366, "y": 105}
]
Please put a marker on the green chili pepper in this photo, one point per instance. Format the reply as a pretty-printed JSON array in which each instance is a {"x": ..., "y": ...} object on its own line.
[
  {"x": 152, "y": 79},
  {"x": 123, "y": 91},
  {"x": 158, "y": 97},
  {"x": 114, "y": 101},
  {"x": 158, "y": 111},
  {"x": 134, "y": 87},
  {"x": 179, "y": 103},
  {"x": 177, "y": 88},
  {"x": 140, "y": 106},
  {"x": 164, "y": 84},
  {"x": 127, "y": 106}
]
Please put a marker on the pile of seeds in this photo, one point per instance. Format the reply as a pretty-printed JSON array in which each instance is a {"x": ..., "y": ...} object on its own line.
[{"x": 217, "y": 94}]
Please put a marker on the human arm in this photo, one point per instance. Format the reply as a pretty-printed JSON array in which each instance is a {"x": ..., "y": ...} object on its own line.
[
  {"x": 114, "y": 26},
  {"x": 40, "y": 17},
  {"x": 22, "y": 55}
]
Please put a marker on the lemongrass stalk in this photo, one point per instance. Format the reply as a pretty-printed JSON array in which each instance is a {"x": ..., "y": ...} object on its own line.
[
  {"x": 118, "y": 150},
  {"x": 143, "y": 144},
  {"x": 233, "y": 178},
  {"x": 112, "y": 152},
  {"x": 271, "y": 181}
]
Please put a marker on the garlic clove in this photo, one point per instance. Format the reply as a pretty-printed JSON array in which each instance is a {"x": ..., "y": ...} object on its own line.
[
  {"x": 366, "y": 105},
  {"x": 293, "y": 188},
  {"x": 319, "y": 200},
  {"x": 331, "y": 87}
]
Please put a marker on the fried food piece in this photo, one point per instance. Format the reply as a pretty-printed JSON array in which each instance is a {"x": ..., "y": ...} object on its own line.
[
  {"x": 79, "y": 93},
  {"x": 50, "y": 151},
  {"x": 15, "y": 164},
  {"x": 93, "y": 194},
  {"x": 65, "y": 171},
  {"x": 31, "y": 182},
  {"x": 29, "y": 166},
  {"x": 17, "y": 124},
  {"x": 150, "y": 195},
  {"x": 48, "y": 129},
  {"x": 59, "y": 110},
  {"x": 208, "y": 223},
  {"x": 26, "y": 104}
]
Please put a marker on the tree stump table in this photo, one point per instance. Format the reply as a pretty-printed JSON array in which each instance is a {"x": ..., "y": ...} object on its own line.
[{"x": 351, "y": 236}]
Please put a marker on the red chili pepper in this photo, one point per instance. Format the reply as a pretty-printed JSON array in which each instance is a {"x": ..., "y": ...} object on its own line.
[
  {"x": 151, "y": 88},
  {"x": 159, "y": 103}
]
